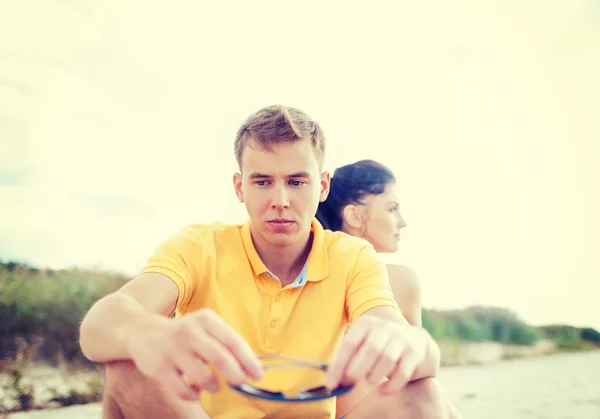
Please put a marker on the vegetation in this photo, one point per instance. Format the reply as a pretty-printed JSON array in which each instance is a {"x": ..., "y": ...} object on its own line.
[
  {"x": 44, "y": 308},
  {"x": 569, "y": 338},
  {"x": 15, "y": 370},
  {"x": 19, "y": 387},
  {"x": 480, "y": 324}
]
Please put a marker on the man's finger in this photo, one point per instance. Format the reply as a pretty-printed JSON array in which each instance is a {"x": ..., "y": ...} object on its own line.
[
  {"x": 198, "y": 375},
  {"x": 174, "y": 382},
  {"x": 236, "y": 345},
  {"x": 350, "y": 344},
  {"x": 367, "y": 356},
  {"x": 220, "y": 357},
  {"x": 401, "y": 375},
  {"x": 387, "y": 362}
]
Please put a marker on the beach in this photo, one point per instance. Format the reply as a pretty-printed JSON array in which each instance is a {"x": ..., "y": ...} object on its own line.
[{"x": 560, "y": 386}]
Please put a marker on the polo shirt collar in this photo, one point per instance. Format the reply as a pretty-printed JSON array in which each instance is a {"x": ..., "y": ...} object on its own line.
[{"x": 317, "y": 263}]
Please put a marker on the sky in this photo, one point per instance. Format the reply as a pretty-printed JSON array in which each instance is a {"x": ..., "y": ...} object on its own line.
[{"x": 117, "y": 122}]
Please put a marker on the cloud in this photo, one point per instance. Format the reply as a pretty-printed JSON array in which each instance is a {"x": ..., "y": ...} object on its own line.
[
  {"x": 111, "y": 205},
  {"x": 12, "y": 178}
]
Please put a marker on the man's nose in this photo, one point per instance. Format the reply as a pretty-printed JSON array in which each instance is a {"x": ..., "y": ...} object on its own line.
[{"x": 281, "y": 199}]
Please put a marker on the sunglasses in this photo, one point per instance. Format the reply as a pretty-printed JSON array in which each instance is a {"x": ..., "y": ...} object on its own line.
[{"x": 274, "y": 361}]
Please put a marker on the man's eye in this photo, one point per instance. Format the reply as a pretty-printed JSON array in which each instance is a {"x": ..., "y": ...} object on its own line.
[
  {"x": 260, "y": 182},
  {"x": 296, "y": 182}
]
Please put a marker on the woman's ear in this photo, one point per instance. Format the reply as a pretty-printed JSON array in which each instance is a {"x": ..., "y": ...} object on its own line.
[{"x": 352, "y": 216}]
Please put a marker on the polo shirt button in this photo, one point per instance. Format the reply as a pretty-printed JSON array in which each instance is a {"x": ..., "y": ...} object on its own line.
[
  {"x": 278, "y": 297},
  {"x": 273, "y": 324}
]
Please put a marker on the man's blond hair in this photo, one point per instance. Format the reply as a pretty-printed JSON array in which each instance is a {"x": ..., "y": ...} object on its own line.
[{"x": 276, "y": 124}]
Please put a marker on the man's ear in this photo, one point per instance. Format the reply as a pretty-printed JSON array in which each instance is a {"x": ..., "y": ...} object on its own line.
[
  {"x": 325, "y": 184},
  {"x": 352, "y": 216},
  {"x": 237, "y": 186}
]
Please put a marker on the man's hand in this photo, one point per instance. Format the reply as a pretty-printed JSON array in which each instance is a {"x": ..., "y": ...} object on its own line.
[
  {"x": 376, "y": 348},
  {"x": 183, "y": 346}
]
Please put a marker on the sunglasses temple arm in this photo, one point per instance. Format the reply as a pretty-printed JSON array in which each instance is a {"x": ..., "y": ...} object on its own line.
[{"x": 298, "y": 361}]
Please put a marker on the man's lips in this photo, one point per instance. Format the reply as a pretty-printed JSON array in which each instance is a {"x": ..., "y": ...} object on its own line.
[{"x": 280, "y": 223}]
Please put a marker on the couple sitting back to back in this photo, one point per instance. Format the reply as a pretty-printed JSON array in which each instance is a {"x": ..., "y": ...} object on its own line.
[{"x": 278, "y": 284}]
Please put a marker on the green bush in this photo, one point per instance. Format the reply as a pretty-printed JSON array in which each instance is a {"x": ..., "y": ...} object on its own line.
[
  {"x": 590, "y": 335},
  {"x": 571, "y": 338},
  {"x": 478, "y": 324},
  {"x": 49, "y": 305}
]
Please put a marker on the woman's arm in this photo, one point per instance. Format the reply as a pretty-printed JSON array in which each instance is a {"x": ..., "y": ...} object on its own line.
[{"x": 407, "y": 292}]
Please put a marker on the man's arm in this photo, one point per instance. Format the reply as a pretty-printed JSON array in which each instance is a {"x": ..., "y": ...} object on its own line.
[
  {"x": 145, "y": 302},
  {"x": 170, "y": 276},
  {"x": 133, "y": 324},
  {"x": 379, "y": 343},
  {"x": 407, "y": 293}
]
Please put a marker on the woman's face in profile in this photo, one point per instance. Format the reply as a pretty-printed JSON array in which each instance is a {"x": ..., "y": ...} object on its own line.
[{"x": 382, "y": 220}]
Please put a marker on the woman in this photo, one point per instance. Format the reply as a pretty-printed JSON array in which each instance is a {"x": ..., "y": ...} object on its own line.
[{"x": 363, "y": 202}]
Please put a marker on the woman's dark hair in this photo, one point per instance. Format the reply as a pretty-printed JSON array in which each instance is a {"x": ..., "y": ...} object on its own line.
[{"x": 349, "y": 185}]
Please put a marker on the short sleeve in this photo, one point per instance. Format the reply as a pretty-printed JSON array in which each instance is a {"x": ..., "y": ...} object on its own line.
[
  {"x": 180, "y": 258},
  {"x": 368, "y": 286}
]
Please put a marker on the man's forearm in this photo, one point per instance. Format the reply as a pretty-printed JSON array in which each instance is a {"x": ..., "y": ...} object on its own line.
[{"x": 109, "y": 323}]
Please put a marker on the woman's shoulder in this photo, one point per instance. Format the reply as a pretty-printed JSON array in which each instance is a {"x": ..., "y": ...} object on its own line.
[
  {"x": 404, "y": 275},
  {"x": 401, "y": 271}
]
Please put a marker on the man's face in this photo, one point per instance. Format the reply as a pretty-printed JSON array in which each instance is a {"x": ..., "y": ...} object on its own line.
[{"x": 281, "y": 190}]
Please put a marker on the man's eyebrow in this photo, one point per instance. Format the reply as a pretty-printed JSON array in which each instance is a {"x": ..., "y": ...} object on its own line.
[
  {"x": 299, "y": 174},
  {"x": 258, "y": 175}
]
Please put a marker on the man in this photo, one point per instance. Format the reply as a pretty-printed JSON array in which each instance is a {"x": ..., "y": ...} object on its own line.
[{"x": 279, "y": 284}]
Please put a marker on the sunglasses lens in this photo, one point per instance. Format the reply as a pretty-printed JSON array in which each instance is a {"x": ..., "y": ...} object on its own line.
[
  {"x": 259, "y": 392},
  {"x": 324, "y": 391},
  {"x": 286, "y": 380},
  {"x": 317, "y": 391}
]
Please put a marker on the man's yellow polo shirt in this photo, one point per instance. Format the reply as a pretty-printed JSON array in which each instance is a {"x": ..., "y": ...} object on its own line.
[{"x": 217, "y": 267}]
